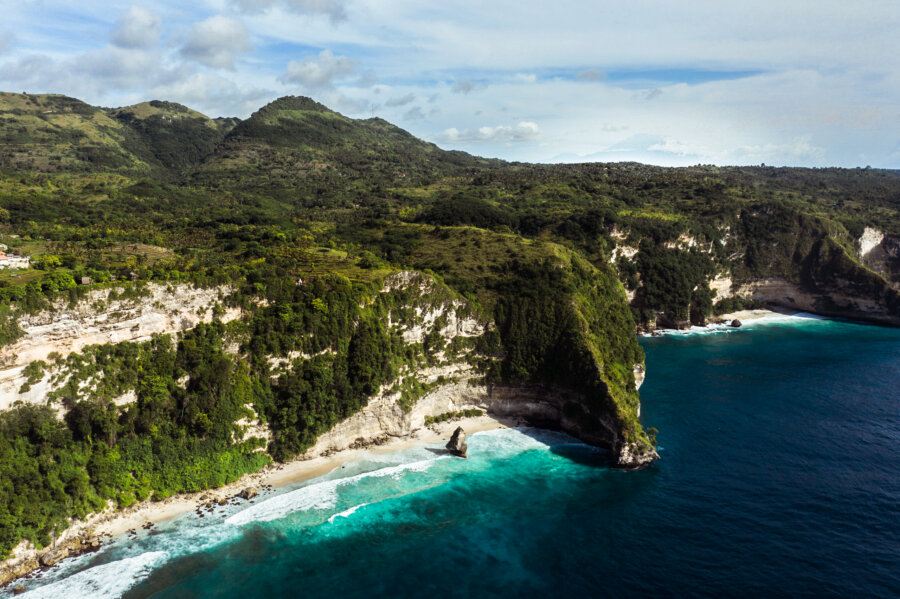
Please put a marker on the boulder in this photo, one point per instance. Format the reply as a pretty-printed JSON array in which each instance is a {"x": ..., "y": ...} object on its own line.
[
  {"x": 53, "y": 556},
  {"x": 457, "y": 444},
  {"x": 736, "y": 323},
  {"x": 248, "y": 493},
  {"x": 19, "y": 590}
]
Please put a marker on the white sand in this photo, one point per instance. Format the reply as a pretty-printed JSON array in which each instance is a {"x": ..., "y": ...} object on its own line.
[
  {"x": 744, "y": 315},
  {"x": 113, "y": 523}
]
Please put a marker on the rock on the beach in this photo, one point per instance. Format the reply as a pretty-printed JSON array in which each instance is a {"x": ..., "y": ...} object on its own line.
[
  {"x": 248, "y": 493},
  {"x": 736, "y": 323},
  {"x": 457, "y": 444},
  {"x": 53, "y": 556}
]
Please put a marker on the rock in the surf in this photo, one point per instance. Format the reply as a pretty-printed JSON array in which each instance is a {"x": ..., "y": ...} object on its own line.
[
  {"x": 53, "y": 556},
  {"x": 457, "y": 444},
  {"x": 736, "y": 323}
]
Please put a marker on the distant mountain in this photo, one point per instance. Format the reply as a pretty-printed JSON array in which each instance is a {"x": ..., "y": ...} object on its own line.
[
  {"x": 295, "y": 136},
  {"x": 171, "y": 135},
  {"x": 51, "y": 133},
  {"x": 290, "y": 138}
]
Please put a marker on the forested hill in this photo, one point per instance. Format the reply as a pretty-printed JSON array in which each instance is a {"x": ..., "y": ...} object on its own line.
[
  {"x": 286, "y": 138},
  {"x": 247, "y": 285}
]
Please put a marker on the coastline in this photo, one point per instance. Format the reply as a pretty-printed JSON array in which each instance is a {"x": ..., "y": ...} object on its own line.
[
  {"x": 722, "y": 323},
  {"x": 86, "y": 536},
  {"x": 281, "y": 475}
]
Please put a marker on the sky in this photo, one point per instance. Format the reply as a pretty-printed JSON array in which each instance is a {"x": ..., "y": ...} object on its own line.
[{"x": 782, "y": 82}]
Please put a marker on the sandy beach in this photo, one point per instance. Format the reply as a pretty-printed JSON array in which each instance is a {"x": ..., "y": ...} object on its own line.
[
  {"x": 747, "y": 315},
  {"x": 112, "y": 523},
  {"x": 279, "y": 475}
]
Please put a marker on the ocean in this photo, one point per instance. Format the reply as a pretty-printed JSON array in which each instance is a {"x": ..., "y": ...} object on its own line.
[{"x": 779, "y": 477}]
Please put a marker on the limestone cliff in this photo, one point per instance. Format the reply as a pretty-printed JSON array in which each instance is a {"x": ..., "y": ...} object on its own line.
[
  {"x": 442, "y": 329},
  {"x": 103, "y": 316},
  {"x": 455, "y": 381}
]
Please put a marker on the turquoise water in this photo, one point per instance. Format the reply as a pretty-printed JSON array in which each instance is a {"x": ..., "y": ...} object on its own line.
[{"x": 780, "y": 476}]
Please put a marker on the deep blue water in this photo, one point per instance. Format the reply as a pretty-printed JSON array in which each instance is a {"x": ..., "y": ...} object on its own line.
[{"x": 780, "y": 476}]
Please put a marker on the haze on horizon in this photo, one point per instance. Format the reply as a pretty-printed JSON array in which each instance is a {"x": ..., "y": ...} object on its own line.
[{"x": 802, "y": 83}]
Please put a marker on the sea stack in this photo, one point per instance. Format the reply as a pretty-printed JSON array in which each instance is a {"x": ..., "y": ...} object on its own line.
[
  {"x": 457, "y": 444},
  {"x": 736, "y": 323}
]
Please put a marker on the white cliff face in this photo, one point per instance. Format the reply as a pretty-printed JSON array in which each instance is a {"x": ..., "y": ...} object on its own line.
[
  {"x": 454, "y": 326},
  {"x": 789, "y": 295},
  {"x": 98, "y": 320},
  {"x": 722, "y": 286},
  {"x": 871, "y": 238},
  {"x": 622, "y": 248},
  {"x": 684, "y": 242},
  {"x": 449, "y": 316}
]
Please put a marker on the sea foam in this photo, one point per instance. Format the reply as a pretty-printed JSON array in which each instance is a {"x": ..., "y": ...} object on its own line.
[
  {"x": 511, "y": 441},
  {"x": 347, "y": 513},
  {"x": 110, "y": 580},
  {"x": 318, "y": 496},
  {"x": 796, "y": 318}
]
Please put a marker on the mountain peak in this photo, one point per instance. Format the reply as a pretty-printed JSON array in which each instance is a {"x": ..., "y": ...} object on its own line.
[{"x": 291, "y": 103}]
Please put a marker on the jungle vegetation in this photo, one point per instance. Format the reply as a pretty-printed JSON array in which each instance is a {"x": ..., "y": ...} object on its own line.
[{"x": 158, "y": 193}]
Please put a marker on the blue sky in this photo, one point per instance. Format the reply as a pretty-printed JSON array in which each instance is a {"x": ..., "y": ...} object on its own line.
[{"x": 793, "y": 82}]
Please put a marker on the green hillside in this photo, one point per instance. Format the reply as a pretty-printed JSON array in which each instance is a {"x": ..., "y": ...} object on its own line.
[
  {"x": 295, "y": 139},
  {"x": 564, "y": 264}
]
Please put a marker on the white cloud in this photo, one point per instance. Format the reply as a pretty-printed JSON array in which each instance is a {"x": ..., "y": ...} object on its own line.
[
  {"x": 648, "y": 94},
  {"x": 400, "y": 101},
  {"x": 6, "y": 39},
  {"x": 91, "y": 74},
  {"x": 524, "y": 131},
  {"x": 465, "y": 86},
  {"x": 414, "y": 114},
  {"x": 592, "y": 75},
  {"x": 216, "y": 42},
  {"x": 136, "y": 28},
  {"x": 670, "y": 145},
  {"x": 334, "y": 9},
  {"x": 213, "y": 94},
  {"x": 525, "y": 77},
  {"x": 798, "y": 151},
  {"x": 317, "y": 73}
]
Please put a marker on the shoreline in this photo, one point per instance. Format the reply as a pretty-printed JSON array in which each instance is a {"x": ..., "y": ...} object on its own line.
[
  {"x": 282, "y": 475},
  {"x": 722, "y": 323},
  {"x": 88, "y": 536}
]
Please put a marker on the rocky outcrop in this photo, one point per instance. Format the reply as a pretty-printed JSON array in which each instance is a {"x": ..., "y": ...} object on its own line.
[
  {"x": 881, "y": 254},
  {"x": 457, "y": 444},
  {"x": 53, "y": 556},
  {"x": 537, "y": 405},
  {"x": 27, "y": 558},
  {"x": 248, "y": 493},
  {"x": 721, "y": 284},
  {"x": 831, "y": 302},
  {"x": 101, "y": 317},
  {"x": 630, "y": 459}
]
